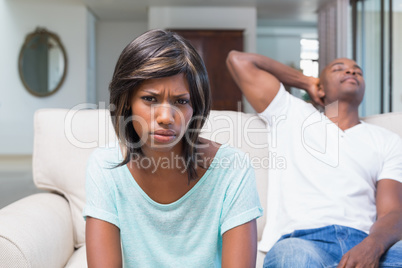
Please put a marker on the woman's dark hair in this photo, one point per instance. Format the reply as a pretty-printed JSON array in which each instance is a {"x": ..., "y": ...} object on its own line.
[{"x": 157, "y": 54}]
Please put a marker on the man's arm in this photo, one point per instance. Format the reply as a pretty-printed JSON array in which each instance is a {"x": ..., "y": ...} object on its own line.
[
  {"x": 258, "y": 77},
  {"x": 103, "y": 244},
  {"x": 239, "y": 246},
  {"x": 385, "y": 232}
]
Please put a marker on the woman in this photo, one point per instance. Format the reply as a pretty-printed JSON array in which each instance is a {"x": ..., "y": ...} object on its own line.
[{"x": 165, "y": 197}]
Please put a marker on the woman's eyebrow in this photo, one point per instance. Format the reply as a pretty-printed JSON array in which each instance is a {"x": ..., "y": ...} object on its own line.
[
  {"x": 181, "y": 95},
  {"x": 150, "y": 92},
  {"x": 159, "y": 94}
]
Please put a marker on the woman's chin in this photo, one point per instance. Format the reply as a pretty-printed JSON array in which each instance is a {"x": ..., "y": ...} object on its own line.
[{"x": 163, "y": 146}]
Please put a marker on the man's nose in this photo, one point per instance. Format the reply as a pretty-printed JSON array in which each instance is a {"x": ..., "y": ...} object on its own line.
[
  {"x": 164, "y": 114},
  {"x": 351, "y": 71}
]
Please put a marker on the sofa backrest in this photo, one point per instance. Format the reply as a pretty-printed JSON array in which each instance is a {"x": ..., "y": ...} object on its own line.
[
  {"x": 248, "y": 133},
  {"x": 64, "y": 139},
  {"x": 390, "y": 121}
]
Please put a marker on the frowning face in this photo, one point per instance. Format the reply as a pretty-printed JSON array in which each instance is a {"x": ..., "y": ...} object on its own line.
[{"x": 161, "y": 111}]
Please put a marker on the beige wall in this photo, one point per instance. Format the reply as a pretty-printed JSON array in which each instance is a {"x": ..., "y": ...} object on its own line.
[
  {"x": 209, "y": 18},
  {"x": 112, "y": 37},
  {"x": 67, "y": 18}
]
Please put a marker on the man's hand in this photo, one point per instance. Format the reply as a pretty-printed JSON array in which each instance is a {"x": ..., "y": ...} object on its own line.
[
  {"x": 365, "y": 254},
  {"x": 312, "y": 90},
  {"x": 385, "y": 232}
]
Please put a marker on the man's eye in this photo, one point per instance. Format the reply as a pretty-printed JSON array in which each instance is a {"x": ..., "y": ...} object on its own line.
[
  {"x": 337, "y": 69},
  {"x": 148, "y": 98},
  {"x": 182, "y": 101}
]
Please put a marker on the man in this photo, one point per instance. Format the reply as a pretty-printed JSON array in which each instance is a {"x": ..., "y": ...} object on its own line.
[{"x": 338, "y": 202}]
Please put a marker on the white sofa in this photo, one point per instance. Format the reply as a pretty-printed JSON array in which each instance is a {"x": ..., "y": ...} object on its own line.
[{"x": 47, "y": 229}]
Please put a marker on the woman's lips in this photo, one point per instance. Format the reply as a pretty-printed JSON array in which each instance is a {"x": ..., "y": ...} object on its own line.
[{"x": 164, "y": 135}]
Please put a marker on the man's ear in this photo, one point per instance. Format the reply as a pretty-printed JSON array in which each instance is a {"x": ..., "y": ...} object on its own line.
[{"x": 321, "y": 92}]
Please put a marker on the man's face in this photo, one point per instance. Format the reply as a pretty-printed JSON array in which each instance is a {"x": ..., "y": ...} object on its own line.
[{"x": 342, "y": 80}]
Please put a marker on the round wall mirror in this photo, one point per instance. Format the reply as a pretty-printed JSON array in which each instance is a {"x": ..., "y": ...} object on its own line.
[{"x": 42, "y": 63}]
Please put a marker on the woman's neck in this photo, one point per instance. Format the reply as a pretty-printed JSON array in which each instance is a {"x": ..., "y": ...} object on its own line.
[{"x": 161, "y": 161}]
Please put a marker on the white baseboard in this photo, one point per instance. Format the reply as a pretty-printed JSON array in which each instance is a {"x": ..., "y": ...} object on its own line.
[{"x": 18, "y": 163}]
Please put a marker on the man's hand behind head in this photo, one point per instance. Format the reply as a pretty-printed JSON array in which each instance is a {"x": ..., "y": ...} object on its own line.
[{"x": 314, "y": 91}]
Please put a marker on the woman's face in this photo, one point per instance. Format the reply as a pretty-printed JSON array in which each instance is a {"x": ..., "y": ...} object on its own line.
[{"x": 161, "y": 111}]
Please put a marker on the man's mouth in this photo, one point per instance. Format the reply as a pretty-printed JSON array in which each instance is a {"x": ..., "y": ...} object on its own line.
[{"x": 350, "y": 78}]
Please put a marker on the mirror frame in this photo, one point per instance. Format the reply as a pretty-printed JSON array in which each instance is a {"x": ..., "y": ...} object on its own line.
[{"x": 28, "y": 38}]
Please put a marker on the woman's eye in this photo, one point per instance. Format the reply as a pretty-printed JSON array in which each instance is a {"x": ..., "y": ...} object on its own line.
[
  {"x": 182, "y": 101},
  {"x": 148, "y": 98}
]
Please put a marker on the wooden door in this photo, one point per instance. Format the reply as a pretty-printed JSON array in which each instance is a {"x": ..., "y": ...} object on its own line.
[{"x": 214, "y": 46}]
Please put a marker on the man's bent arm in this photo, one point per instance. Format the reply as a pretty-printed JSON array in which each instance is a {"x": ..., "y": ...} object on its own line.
[
  {"x": 258, "y": 77},
  {"x": 385, "y": 232}
]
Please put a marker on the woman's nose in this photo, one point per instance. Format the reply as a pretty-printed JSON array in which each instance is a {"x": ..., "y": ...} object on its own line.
[{"x": 164, "y": 114}]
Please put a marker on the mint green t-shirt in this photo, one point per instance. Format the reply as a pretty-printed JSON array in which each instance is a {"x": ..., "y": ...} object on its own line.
[{"x": 185, "y": 233}]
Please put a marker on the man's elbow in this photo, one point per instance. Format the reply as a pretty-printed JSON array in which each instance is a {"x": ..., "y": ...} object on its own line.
[{"x": 236, "y": 59}]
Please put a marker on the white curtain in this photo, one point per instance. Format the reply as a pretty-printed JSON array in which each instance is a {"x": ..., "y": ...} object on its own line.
[{"x": 397, "y": 58}]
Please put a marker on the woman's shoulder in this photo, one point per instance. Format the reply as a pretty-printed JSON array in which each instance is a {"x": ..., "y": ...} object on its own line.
[
  {"x": 229, "y": 168},
  {"x": 207, "y": 148},
  {"x": 211, "y": 149},
  {"x": 223, "y": 156}
]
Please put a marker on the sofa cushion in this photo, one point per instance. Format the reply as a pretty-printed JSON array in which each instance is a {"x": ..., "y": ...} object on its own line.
[
  {"x": 36, "y": 231},
  {"x": 78, "y": 259},
  {"x": 63, "y": 141},
  {"x": 390, "y": 121}
]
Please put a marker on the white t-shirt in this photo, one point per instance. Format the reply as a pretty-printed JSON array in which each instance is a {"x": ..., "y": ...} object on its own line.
[{"x": 329, "y": 176}]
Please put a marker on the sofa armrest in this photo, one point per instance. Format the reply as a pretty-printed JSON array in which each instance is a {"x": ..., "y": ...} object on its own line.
[{"x": 36, "y": 231}]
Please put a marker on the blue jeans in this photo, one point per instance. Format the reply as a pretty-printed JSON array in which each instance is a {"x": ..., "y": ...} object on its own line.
[{"x": 323, "y": 247}]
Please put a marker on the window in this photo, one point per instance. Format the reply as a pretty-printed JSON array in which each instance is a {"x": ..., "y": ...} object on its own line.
[
  {"x": 309, "y": 61},
  {"x": 376, "y": 38}
]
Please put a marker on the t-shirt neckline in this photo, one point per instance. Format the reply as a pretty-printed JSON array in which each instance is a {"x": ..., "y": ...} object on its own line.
[
  {"x": 181, "y": 199},
  {"x": 348, "y": 130}
]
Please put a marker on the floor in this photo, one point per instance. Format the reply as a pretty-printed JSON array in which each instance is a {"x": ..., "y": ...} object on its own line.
[{"x": 14, "y": 186}]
